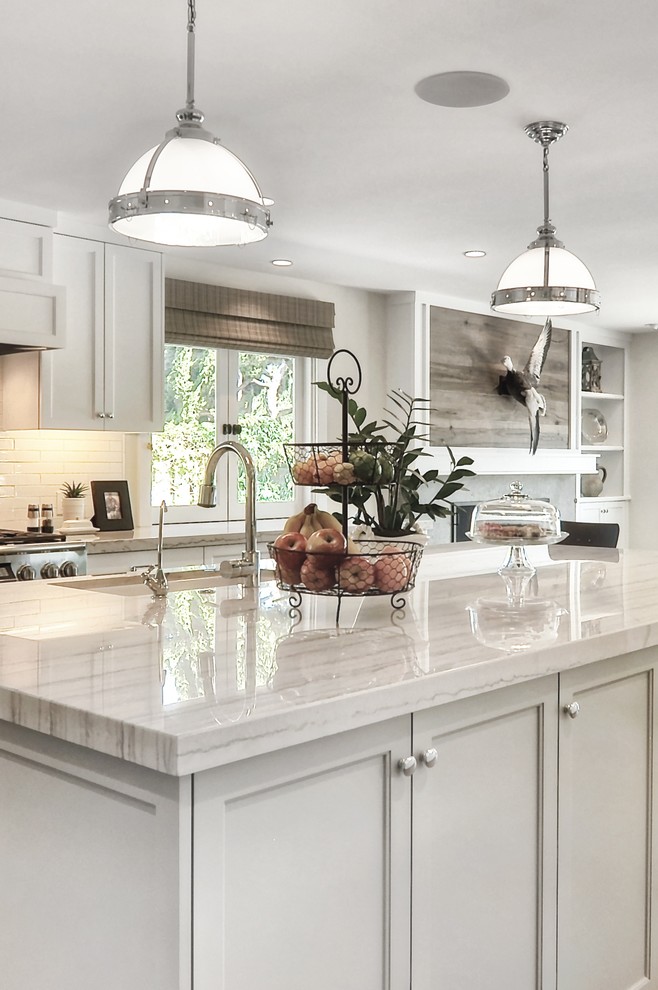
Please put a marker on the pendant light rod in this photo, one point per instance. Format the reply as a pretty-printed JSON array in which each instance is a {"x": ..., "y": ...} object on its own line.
[{"x": 191, "y": 38}]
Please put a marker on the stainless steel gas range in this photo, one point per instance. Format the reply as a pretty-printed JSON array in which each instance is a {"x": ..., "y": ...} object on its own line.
[{"x": 33, "y": 556}]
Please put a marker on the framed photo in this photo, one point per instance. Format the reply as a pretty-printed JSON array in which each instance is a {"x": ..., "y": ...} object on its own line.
[{"x": 112, "y": 509}]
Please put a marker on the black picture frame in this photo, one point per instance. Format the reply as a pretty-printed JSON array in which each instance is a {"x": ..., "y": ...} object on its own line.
[{"x": 112, "y": 509}]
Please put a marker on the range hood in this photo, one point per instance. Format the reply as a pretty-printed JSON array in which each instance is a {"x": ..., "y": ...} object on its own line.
[{"x": 32, "y": 315}]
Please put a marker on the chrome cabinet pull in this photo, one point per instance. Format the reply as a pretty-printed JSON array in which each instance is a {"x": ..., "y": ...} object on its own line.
[
  {"x": 407, "y": 765},
  {"x": 572, "y": 709},
  {"x": 429, "y": 757}
]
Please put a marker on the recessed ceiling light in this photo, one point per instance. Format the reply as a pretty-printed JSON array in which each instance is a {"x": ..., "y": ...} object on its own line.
[
  {"x": 282, "y": 262},
  {"x": 475, "y": 254},
  {"x": 462, "y": 89}
]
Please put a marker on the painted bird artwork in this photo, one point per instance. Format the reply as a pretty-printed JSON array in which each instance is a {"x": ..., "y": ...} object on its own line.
[{"x": 522, "y": 385}]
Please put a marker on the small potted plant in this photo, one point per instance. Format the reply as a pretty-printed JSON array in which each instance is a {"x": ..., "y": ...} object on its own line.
[
  {"x": 73, "y": 501},
  {"x": 394, "y": 509}
]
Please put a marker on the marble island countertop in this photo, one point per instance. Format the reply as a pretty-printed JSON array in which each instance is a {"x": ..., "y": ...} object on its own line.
[{"x": 216, "y": 674}]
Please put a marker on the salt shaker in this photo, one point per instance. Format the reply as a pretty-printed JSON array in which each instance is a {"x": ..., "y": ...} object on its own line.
[{"x": 32, "y": 518}]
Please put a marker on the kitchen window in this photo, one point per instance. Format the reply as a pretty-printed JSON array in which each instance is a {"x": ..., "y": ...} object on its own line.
[{"x": 214, "y": 394}]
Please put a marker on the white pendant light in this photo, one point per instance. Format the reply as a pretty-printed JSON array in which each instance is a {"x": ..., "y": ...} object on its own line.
[
  {"x": 546, "y": 280},
  {"x": 190, "y": 190}
]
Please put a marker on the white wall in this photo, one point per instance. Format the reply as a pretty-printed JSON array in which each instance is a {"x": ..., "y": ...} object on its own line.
[{"x": 642, "y": 412}]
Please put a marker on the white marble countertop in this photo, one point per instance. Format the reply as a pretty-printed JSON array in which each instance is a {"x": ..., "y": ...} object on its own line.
[{"x": 214, "y": 675}]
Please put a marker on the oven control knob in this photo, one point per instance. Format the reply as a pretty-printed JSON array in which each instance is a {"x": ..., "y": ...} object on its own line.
[
  {"x": 68, "y": 569},
  {"x": 26, "y": 573},
  {"x": 49, "y": 571}
]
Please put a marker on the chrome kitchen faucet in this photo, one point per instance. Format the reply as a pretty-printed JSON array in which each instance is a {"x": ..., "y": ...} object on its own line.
[{"x": 249, "y": 561}]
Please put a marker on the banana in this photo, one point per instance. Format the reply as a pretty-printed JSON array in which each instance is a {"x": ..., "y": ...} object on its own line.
[
  {"x": 295, "y": 522},
  {"x": 310, "y": 524},
  {"x": 327, "y": 521},
  {"x": 310, "y": 519}
]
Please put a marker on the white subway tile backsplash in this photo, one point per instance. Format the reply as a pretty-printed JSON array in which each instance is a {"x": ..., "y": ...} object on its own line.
[{"x": 34, "y": 464}]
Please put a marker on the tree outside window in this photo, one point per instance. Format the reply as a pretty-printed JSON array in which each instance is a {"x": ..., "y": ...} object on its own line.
[{"x": 198, "y": 400}]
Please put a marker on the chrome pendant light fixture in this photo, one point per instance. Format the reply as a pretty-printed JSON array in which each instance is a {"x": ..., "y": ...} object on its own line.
[
  {"x": 546, "y": 280},
  {"x": 189, "y": 190}
]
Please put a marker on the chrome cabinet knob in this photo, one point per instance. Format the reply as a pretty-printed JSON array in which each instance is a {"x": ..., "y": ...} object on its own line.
[
  {"x": 101, "y": 415},
  {"x": 429, "y": 757},
  {"x": 407, "y": 765},
  {"x": 109, "y": 415},
  {"x": 571, "y": 710}
]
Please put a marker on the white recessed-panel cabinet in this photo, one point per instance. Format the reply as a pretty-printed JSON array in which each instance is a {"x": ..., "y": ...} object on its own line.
[
  {"x": 484, "y": 863},
  {"x": 301, "y": 867},
  {"x": 606, "y": 887},
  {"x": 109, "y": 375},
  {"x": 312, "y": 840}
]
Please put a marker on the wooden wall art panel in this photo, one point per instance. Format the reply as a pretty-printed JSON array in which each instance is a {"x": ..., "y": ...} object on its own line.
[{"x": 466, "y": 351}]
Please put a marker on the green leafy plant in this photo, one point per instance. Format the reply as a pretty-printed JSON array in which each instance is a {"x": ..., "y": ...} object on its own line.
[
  {"x": 394, "y": 508},
  {"x": 74, "y": 489}
]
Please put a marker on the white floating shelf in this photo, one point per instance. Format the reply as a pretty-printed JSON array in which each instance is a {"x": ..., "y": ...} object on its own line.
[
  {"x": 608, "y": 396},
  {"x": 600, "y": 448}
]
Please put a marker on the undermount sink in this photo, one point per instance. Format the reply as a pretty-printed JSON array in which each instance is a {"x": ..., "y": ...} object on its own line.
[{"x": 132, "y": 584}]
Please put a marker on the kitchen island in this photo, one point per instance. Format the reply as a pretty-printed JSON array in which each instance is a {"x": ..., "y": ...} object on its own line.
[{"x": 213, "y": 793}]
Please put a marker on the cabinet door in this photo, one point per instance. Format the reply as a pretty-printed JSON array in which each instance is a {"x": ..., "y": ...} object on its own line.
[
  {"x": 72, "y": 379},
  {"x": 484, "y": 842},
  {"x": 134, "y": 340},
  {"x": 606, "y": 900},
  {"x": 604, "y": 512},
  {"x": 26, "y": 250},
  {"x": 301, "y": 867}
]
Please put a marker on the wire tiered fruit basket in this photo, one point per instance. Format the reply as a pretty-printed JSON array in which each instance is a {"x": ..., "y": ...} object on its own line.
[{"x": 364, "y": 567}]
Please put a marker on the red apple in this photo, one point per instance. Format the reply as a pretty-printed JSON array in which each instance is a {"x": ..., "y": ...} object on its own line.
[
  {"x": 356, "y": 574},
  {"x": 317, "y": 574},
  {"x": 327, "y": 542},
  {"x": 392, "y": 571},
  {"x": 290, "y": 553}
]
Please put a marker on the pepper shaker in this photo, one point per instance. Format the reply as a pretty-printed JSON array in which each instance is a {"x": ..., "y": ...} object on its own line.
[{"x": 47, "y": 522}]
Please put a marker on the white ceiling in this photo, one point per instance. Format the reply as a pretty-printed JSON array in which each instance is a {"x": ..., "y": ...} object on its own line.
[{"x": 373, "y": 187}]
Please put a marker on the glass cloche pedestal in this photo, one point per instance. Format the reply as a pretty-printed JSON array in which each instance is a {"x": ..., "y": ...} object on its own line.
[{"x": 516, "y": 521}]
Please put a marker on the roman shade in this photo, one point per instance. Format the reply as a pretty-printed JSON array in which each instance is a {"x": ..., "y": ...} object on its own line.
[{"x": 198, "y": 315}]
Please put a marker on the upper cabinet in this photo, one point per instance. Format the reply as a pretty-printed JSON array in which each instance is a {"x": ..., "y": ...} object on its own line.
[
  {"x": 32, "y": 312},
  {"x": 26, "y": 250},
  {"x": 109, "y": 376}
]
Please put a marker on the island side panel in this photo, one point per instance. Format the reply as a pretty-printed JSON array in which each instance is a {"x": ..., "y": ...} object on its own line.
[{"x": 91, "y": 856}]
